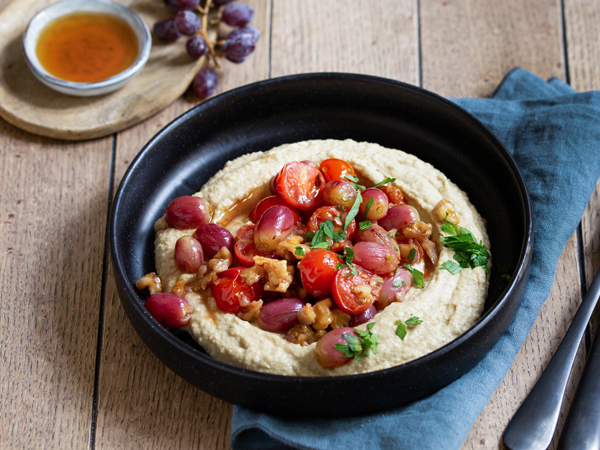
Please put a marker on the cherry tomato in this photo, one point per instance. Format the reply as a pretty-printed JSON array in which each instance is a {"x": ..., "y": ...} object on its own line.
[
  {"x": 346, "y": 289},
  {"x": 335, "y": 169},
  {"x": 245, "y": 248},
  {"x": 317, "y": 271},
  {"x": 338, "y": 218},
  {"x": 301, "y": 185},
  {"x": 230, "y": 288},
  {"x": 266, "y": 203}
]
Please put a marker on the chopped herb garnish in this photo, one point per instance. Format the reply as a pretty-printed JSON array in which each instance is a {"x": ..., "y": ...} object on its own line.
[
  {"x": 397, "y": 282},
  {"x": 468, "y": 253},
  {"x": 451, "y": 267},
  {"x": 368, "y": 207},
  {"x": 318, "y": 239},
  {"x": 411, "y": 255},
  {"x": 353, "y": 179},
  {"x": 299, "y": 251},
  {"x": 341, "y": 208},
  {"x": 353, "y": 212},
  {"x": 410, "y": 322},
  {"x": 365, "y": 225},
  {"x": 359, "y": 345},
  {"x": 347, "y": 257},
  {"x": 385, "y": 181},
  {"x": 417, "y": 275}
]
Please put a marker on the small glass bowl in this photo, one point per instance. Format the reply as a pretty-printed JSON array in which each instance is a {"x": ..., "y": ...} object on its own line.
[{"x": 41, "y": 19}]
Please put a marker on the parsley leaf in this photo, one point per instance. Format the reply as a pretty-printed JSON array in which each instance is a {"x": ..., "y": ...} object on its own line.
[
  {"x": 365, "y": 225},
  {"x": 411, "y": 255},
  {"x": 353, "y": 212},
  {"x": 417, "y": 275},
  {"x": 401, "y": 330},
  {"x": 368, "y": 207},
  {"x": 359, "y": 345},
  {"x": 299, "y": 251},
  {"x": 398, "y": 281},
  {"x": 353, "y": 179},
  {"x": 469, "y": 253},
  {"x": 451, "y": 267},
  {"x": 385, "y": 181}
]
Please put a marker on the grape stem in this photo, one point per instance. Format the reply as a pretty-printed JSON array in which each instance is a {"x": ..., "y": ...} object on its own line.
[{"x": 204, "y": 31}]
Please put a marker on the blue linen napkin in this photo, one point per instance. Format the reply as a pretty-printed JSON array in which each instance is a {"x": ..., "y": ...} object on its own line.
[{"x": 554, "y": 135}]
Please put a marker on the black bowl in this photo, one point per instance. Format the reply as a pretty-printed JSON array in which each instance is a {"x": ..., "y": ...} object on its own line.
[{"x": 187, "y": 152}]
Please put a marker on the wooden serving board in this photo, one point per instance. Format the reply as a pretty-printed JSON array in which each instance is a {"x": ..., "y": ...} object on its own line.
[{"x": 26, "y": 103}]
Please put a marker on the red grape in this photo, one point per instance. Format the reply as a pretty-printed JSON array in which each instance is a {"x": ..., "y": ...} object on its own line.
[
  {"x": 188, "y": 254},
  {"x": 326, "y": 353},
  {"x": 394, "y": 288},
  {"x": 187, "y": 23},
  {"x": 239, "y": 47},
  {"x": 196, "y": 47},
  {"x": 205, "y": 83},
  {"x": 188, "y": 212},
  {"x": 376, "y": 257},
  {"x": 170, "y": 310},
  {"x": 186, "y": 4},
  {"x": 166, "y": 30},
  {"x": 213, "y": 237},
  {"x": 238, "y": 15},
  {"x": 379, "y": 206},
  {"x": 280, "y": 315},
  {"x": 248, "y": 31},
  {"x": 221, "y": 2},
  {"x": 399, "y": 216},
  {"x": 339, "y": 193},
  {"x": 273, "y": 227},
  {"x": 363, "y": 317}
]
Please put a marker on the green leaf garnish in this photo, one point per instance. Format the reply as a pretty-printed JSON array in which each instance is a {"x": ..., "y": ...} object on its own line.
[
  {"x": 398, "y": 281},
  {"x": 365, "y": 225},
  {"x": 468, "y": 253},
  {"x": 417, "y": 275},
  {"x": 411, "y": 255},
  {"x": 401, "y": 329},
  {"x": 451, "y": 267},
  {"x": 385, "y": 181},
  {"x": 299, "y": 251},
  {"x": 353, "y": 180},
  {"x": 368, "y": 207},
  {"x": 353, "y": 212},
  {"x": 359, "y": 345}
]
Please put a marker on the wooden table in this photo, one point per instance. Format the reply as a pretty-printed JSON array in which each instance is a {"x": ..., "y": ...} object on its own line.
[{"x": 74, "y": 373}]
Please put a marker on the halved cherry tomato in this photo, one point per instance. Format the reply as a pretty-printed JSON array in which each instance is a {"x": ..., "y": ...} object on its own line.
[
  {"x": 335, "y": 169},
  {"x": 347, "y": 294},
  {"x": 230, "y": 288},
  {"x": 301, "y": 185},
  {"x": 245, "y": 249},
  {"x": 266, "y": 203},
  {"x": 338, "y": 218},
  {"x": 317, "y": 271}
]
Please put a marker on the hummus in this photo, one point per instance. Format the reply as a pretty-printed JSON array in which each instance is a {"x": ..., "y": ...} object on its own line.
[{"x": 448, "y": 304}]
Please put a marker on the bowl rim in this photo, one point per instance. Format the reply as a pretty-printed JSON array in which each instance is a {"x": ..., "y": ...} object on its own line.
[
  {"x": 519, "y": 273},
  {"x": 140, "y": 29}
]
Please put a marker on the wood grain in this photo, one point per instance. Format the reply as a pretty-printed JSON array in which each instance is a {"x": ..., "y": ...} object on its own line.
[
  {"x": 141, "y": 403},
  {"x": 454, "y": 66},
  {"x": 28, "y": 104},
  {"x": 376, "y": 38},
  {"x": 53, "y": 205}
]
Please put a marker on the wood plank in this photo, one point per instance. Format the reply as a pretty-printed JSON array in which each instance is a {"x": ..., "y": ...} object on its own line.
[
  {"x": 467, "y": 47},
  {"x": 141, "y": 403},
  {"x": 376, "y": 38},
  {"x": 582, "y": 26},
  {"x": 53, "y": 205}
]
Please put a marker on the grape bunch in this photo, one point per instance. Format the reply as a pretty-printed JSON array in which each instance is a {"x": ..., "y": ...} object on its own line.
[{"x": 191, "y": 20}]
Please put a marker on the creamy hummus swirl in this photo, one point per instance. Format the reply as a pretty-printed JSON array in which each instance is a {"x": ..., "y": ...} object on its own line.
[{"x": 448, "y": 304}]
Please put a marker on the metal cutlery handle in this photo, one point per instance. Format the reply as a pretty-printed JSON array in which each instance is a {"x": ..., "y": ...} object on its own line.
[
  {"x": 532, "y": 427},
  {"x": 582, "y": 428}
]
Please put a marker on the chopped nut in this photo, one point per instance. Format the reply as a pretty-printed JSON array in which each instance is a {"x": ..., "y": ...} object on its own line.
[
  {"x": 251, "y": 312},
  {"x": 340, "y": 318},
  {"x": 363, "y": 292},
  {"x": 323, "y": 315},
  {"x": 287, "y": 248},
  {"x": 253, "y": 274},
  {"x": 430, "y": 250},
  {"x": 221, "y": 261},
  {"x": 181, "y": 287},
  {"x": 279, "y": 274},
  {"x": 307, "y": 316},
  {"x": 445, "y": 210},
  {"x": 303, "y": 335},
  {"x": 418, "y": 230},
  {"x": 150, "y": 281}
]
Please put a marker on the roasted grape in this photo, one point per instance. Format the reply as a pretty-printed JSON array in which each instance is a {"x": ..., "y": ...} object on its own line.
[
  {"x": 188, "y": 254},
  {"x": 399, "y": 216},
  {"x": 273, "y": 227},
  {"x": 213, "y": 237},
  {"x": 339, "y": 193},
  {"x": 170, "y": 310},
  {"x": 280, "y": 315},
  {"x": 374, "y": 205},
  {"x": 376, "y": 257},
  {"x": 188, "y": 212}
]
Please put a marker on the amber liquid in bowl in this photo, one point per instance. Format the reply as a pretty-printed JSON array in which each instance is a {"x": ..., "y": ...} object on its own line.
[{"x": 87, "y": 47}]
